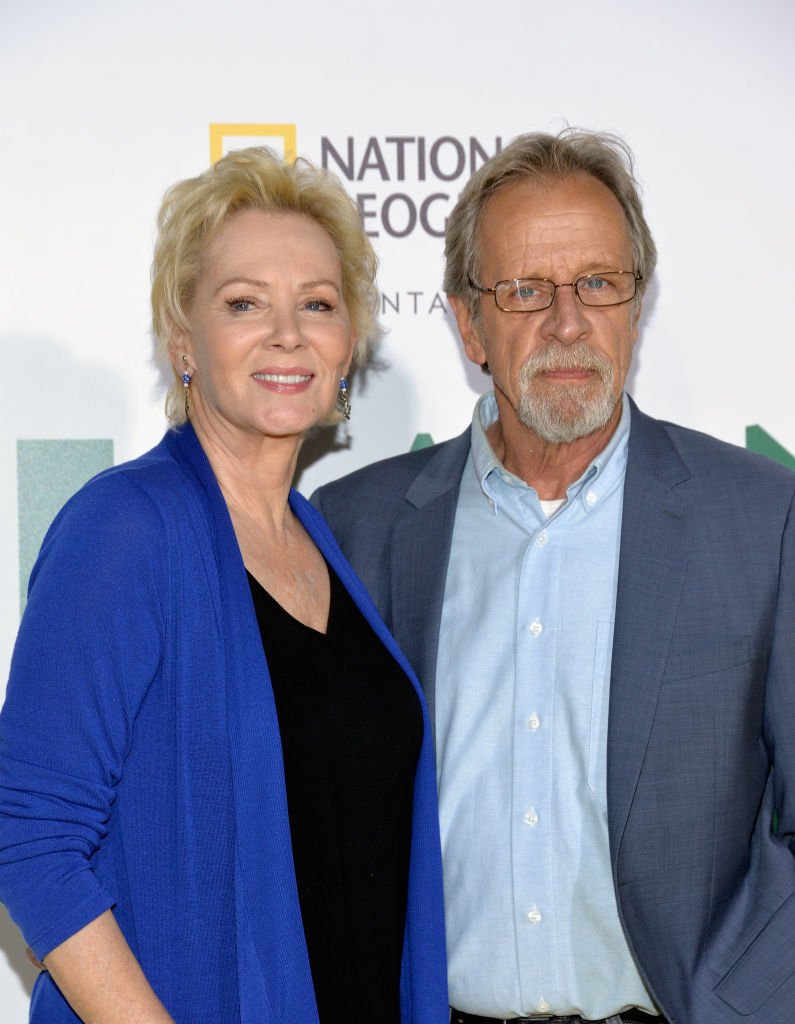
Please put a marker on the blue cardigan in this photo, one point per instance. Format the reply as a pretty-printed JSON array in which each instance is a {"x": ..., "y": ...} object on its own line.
[{"x": 140, "y": 762}]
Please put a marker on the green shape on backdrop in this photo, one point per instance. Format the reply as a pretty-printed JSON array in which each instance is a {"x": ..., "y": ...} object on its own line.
[
  {"x": 758, "y": 440},
  {"x": 48, "y": 473},
  {"x": 421, "y": 441}
]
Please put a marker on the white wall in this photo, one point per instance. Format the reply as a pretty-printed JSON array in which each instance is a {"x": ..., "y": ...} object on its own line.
[{"x": 105, "y": 104}]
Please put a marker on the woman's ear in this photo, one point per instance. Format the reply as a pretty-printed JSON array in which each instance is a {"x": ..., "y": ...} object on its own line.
[{"x": 180, "y": 352}]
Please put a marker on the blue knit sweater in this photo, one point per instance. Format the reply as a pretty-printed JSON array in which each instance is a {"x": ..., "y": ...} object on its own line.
[{"x": 140, "y": 763}]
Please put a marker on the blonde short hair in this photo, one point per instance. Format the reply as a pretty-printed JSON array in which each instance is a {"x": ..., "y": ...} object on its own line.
[{"x": 258, "y": 179}]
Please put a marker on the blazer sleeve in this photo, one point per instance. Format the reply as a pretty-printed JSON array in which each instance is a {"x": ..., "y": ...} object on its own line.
[
  {"x": 780, "y": 704},
  {"x": 89, "y": 646}
]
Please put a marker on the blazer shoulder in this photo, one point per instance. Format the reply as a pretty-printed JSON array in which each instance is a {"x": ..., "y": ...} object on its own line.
[
  {"x": 388, "y": 481},
  {"x": 710, "y": 458},
  {"x": 723, "y": 457}
]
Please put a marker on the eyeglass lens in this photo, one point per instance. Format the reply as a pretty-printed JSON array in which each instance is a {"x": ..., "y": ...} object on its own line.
[{"x": 529, "y": 294}]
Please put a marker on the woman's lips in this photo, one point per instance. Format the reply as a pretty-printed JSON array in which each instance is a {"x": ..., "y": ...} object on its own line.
[
  {"x": 283, "y": 378},
  {"x": 289, "y": 381}
]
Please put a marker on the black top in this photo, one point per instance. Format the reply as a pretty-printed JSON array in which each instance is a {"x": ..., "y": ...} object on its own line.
[{"x": 351, "y": 729}]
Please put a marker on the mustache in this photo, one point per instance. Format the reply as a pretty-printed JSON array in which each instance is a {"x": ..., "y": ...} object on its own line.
[{"x": 566, "y": 357}]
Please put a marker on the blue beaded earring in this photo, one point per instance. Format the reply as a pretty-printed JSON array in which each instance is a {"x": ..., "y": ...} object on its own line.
[
  {"x": 343, "y": 402},
  {"x": 186, "y": 379}
]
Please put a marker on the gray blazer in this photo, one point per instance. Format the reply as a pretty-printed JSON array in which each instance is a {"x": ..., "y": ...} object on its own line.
[{"x": 701, "y": 738}]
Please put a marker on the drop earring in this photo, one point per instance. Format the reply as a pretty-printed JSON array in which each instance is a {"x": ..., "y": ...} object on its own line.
[
  {"x": 343, "y": 402},
  {"x": 186, "y": 379}
]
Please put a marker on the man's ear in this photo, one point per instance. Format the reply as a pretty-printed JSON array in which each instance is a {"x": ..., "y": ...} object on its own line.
[
  {"x": 470, "y": 330},
  {"x": 635, "y": 326}
]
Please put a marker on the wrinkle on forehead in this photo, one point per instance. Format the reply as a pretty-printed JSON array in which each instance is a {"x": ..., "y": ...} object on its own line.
[{"x": 551, "y": 228}]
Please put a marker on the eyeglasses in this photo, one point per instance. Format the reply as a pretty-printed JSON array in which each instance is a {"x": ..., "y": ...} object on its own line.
[{"x": 532, "y": 294}]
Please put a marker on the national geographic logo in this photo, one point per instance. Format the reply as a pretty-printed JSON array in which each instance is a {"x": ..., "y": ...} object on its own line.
[
  {"x": 423, "y": 169},
  {"x": 402, "y": 184},
  {"x": 224, "y": 137}
]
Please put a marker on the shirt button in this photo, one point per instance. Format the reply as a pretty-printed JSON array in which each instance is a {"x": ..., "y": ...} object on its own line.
[
  {"x": 535, "y": 628},
  {"x": 590, "y": 499},
  {"x": 531, "y": 817},
  {"x": 533, "y": 721},
  {"x": 533, "y": 914},
  {"x": 542, "y": 538},
  {"x": 542, "y": 1006}
]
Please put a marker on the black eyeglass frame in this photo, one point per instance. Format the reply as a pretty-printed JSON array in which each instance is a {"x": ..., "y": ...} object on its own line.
[{"x": 571, "y": 284}]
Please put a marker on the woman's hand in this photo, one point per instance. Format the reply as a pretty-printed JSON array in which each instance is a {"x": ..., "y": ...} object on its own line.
[{"x": 101, "y": 979}]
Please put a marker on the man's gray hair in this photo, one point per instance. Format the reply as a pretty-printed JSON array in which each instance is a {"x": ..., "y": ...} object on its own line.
[{"x": 543, "y": 157}]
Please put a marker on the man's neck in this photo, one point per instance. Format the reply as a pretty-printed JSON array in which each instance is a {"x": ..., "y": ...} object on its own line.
[{"x": 548, "y": 468}]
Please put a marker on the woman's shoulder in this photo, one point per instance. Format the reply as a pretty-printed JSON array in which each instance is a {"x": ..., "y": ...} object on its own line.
[
  {"x": 159, "y": 477},
  {"x": 131, "y": 508}
]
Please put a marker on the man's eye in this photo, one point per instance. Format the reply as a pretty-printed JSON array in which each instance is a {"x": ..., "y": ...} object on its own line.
[{"x": 595, "y": 284}]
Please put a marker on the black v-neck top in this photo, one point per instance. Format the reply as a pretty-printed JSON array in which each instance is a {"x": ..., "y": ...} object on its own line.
[{"x": 351, "y": 729}]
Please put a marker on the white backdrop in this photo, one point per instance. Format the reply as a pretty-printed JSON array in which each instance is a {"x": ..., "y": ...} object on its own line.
[{"x": 105, "y": 104}]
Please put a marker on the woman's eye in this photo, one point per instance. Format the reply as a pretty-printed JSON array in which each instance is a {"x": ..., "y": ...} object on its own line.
[
  {"x": 240, "y": 305},
  {"x": 318, "y": 306}
]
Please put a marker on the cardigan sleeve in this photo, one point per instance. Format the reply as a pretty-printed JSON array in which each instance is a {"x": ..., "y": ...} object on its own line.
[{"x": 89, "y": 646}]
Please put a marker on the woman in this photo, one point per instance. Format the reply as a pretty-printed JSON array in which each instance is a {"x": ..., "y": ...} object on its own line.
[{"x": 189, "y": 833}]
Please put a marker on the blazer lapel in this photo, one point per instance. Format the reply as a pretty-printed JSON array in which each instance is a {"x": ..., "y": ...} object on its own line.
[
  {"x": 421, "y": 543},
  {"x": 652, "y": 564}
]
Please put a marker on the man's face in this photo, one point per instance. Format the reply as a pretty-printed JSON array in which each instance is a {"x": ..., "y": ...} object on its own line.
[{"x": 560, "y": 371}]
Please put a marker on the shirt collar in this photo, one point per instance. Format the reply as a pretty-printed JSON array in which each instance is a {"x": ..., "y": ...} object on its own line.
[{"x": 606, "y": 467}]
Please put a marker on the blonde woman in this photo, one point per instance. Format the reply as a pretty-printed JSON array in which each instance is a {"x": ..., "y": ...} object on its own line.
[{"x": 217, "y": 797}]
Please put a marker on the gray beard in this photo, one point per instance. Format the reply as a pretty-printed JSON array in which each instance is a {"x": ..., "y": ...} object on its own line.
[{"x": 562, "y": 413}]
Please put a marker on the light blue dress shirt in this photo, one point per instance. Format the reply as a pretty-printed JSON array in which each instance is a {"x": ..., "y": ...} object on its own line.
[{"x": 522, "y": 695}]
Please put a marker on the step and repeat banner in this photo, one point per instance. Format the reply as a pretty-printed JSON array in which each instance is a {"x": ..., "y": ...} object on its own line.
[{"x": 104, "y": 105}]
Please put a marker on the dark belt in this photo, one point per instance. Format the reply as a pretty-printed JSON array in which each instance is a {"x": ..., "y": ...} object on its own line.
[{"x": 627, "y": 1017}]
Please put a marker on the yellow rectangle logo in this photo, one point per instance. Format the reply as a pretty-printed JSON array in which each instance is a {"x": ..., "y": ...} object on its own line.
[{"x": 225, "y": 137}]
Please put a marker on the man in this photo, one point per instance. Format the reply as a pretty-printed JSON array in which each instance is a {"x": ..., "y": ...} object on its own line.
[{"x": 601, "y": 607}]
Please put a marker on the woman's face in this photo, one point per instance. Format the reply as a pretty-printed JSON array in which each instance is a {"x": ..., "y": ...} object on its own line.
[{"x": 270, "y": 334}]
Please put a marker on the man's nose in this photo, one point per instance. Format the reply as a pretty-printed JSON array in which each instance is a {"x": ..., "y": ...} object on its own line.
[{"x": 566, "y": 318}]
